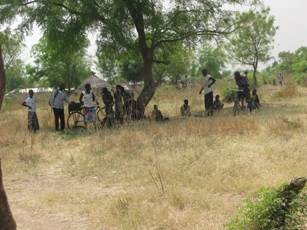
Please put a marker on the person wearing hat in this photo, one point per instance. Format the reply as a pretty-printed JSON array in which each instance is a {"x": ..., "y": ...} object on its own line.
[{"x": 56, "y": 102}]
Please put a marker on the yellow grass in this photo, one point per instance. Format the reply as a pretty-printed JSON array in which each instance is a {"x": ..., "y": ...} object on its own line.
[{"x": 188, "y": 173}]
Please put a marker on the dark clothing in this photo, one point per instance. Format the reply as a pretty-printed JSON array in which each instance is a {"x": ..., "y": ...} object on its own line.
[
  {"x": 32, "y": 121},
  {"x": 118, "y": 104},
  {"x": 208, "y": 101},
  {"x": 108, "y": 101},
  {"x": 242, "y": 82},
  {"x": 217, "y": 104},
  {"x": 57, "y": 103},
  {"x": 118, "y": 96},
  {"x": 157, "y": 115},
  {"x": 244, "y": 94},
  {"x": 255, "y": 100},
  {"x": 59, "y": 114},
  {"x": 128, "y": 101},
  {"x": 185, "y": 110}
]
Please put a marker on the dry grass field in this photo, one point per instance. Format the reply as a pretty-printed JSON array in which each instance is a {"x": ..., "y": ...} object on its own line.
[{"x": 188, "y": 173}]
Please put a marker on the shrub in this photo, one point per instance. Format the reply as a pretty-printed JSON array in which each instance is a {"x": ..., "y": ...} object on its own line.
[
  {"x": 266, "y": 78},
  {"x": 300, "y": 78},
  {"x": 272, "y": 209},
  {"x": 228, "y": 93},
  {"x": 289, "y": 91}
]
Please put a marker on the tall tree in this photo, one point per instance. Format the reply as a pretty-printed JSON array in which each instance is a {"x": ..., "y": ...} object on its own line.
[
  {"x": 180, "y": 59},
  {"x": 70, "y": 67},
  {"x": 300, "y": 60},
  {"x": 108, "y": 66},
  {"x": 125, "y": 25},
  {"x": 210, "y": 58},
  {"x": 293, "y": 62},
  {"x": 285, "y": 61},
  {"x": 2, "y": 77},
  {"x": 132, "y": 71},
  {"x": 252, "y": 43},
  {"x": 10, "y": 48},
  {"x": 15, "y": 75}
]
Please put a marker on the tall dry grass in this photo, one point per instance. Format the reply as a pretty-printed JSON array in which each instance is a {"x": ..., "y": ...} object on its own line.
[{"x": 187, "y": 173}]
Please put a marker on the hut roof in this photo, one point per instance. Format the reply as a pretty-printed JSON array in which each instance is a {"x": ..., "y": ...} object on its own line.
[{"x": 95, "y": 81}]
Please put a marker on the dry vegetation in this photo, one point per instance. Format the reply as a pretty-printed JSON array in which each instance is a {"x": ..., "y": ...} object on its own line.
[{"x": 183, "y": 174}]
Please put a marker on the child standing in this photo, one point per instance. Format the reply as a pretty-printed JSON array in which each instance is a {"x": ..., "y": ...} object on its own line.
[
  {"x": 32, "y": 117},
  {"x": 88, "y": 103}
]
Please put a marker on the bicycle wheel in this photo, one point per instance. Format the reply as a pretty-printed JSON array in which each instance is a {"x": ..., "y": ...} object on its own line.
[
  {"x": 127, "y": 118},
  {"x": 75, "y": 121},
  {"x": 236, "y": 107},
  {"x": 109, "y": 121},
  {"x": 92, "y": 125},
  {"x": 101, "y": 114}
]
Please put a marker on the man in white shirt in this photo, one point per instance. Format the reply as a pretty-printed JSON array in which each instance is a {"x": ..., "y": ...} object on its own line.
[
  {"x": 57, "y": 103},
  {"x": 208, "y": 81}
]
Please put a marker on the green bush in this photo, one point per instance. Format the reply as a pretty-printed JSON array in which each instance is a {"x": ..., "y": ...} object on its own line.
[
  {"x": 266, "y": 78},
  {"x": 299, "y": 78},
  {"x": 266, "y": 210},
  {"x": 228, "y": 93}
]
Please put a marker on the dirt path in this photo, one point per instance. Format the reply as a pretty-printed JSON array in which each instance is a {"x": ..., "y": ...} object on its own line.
[{"x": 52, "y": 181}]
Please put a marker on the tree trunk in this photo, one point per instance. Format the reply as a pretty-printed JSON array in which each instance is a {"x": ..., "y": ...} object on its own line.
[
  {"x": 2, "y": 78},
  {"x": 255, "y": 71},
  {"x": 7, "y": 221},
  {"x": 149, "y": 84}
]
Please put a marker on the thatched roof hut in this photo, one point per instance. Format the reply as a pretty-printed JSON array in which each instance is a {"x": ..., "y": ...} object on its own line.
[{"x": 95, "y": 81}]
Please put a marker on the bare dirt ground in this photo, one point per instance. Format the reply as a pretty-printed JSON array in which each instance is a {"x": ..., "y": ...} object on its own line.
[
  {"x": 52, "y": 180},
  {"x": 27, "y": 219}
]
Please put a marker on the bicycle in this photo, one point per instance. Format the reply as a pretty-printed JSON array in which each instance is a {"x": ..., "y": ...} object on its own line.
[
  {"x": 110, "y": 119},
  {"x": 76, "y": 119},
  {"x": 100, "y": 111}
]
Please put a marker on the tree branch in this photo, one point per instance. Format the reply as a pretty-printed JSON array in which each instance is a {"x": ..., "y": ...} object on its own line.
[{"x": 161, "y": 62}]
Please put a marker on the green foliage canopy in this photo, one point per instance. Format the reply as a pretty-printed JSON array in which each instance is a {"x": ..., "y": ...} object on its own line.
[
  {"x": 125, "y": 26},
  {"x": 212, "y": 59},
  {"x": 132, "y": 71},
  {"x": 252, "y": 43},
  {"x": 70, "y": 67},
  {"x": 14, "y": 67}
]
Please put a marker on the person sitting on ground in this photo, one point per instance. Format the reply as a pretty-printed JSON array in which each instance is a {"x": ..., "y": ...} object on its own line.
[
  {"x": 255, "y": 98},
  {"x": 217, "y": 104},
  {"x": 185, "y": 108},
  {"x": 156, "y": 114}
]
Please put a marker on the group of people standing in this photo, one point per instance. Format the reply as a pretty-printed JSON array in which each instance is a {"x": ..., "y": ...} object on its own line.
[{"x": 124, "y": 102}]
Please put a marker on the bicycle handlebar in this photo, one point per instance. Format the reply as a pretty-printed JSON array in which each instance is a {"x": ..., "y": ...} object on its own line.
[{"x": 235, "y": 89}]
